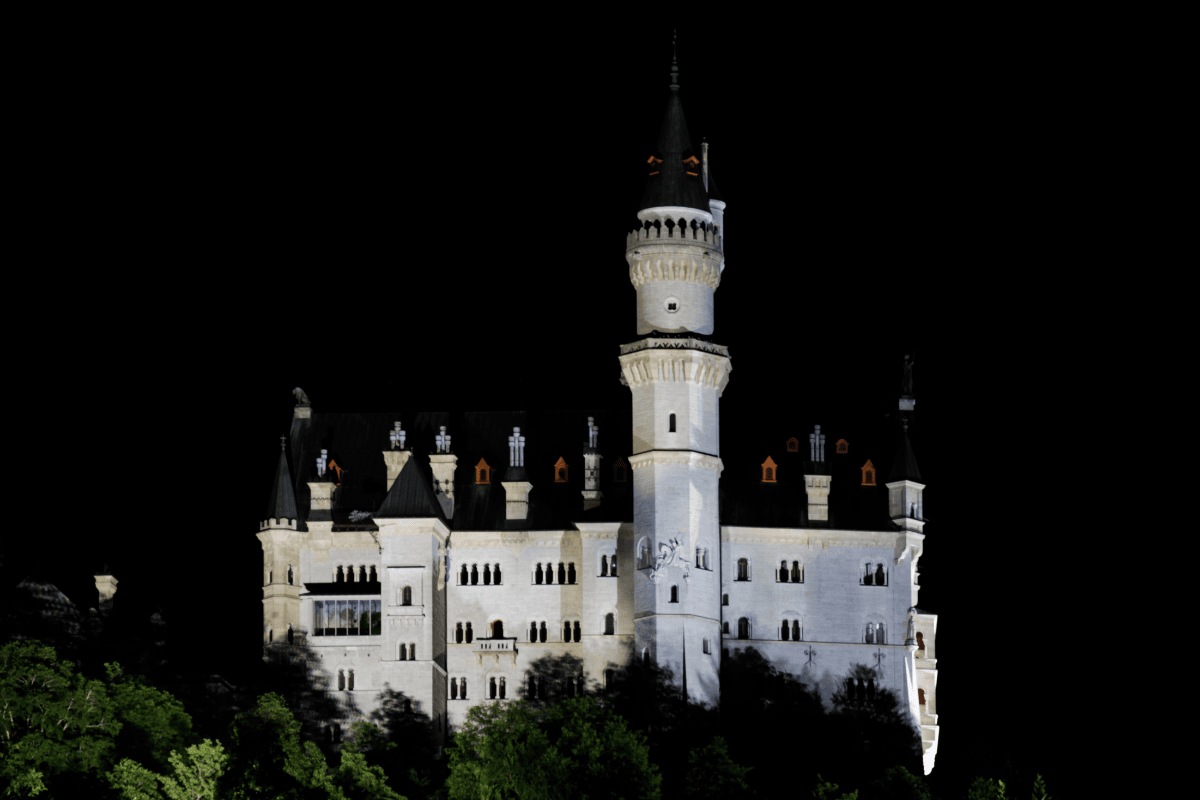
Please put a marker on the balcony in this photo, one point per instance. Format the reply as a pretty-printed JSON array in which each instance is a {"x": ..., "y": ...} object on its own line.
[{"x": 495, "y": 649}]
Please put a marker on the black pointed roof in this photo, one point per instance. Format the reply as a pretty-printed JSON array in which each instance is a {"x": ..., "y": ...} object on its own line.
[
  {"x": 410, "y": 496},
  {"x": 713, "y": 192},
  {"x": 282, "y": 504},
  {"x": 904, "y": 468},
  {"x": 672, "y": 185}
]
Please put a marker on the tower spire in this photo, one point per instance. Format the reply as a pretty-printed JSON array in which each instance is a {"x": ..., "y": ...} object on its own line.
[
  {"x": 674, "y": 64},
  {"x": 283, "y": 500}
]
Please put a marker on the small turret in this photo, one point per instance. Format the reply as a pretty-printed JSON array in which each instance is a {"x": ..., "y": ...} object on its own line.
[
  {"x": 281, "y": 508},
  {"x": 905, "y": 504}
]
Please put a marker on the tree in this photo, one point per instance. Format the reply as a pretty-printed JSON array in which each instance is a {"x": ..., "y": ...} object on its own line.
[
  {"x": 196, "y": 774},
  {"x": 897, "y": 783},
  {"x": 153, "y": 723},
  {"x": 986, "y": 789},
  {"x": 267, "y": 759},
  {"x": 403, "y": 741},
  {"x": 824, "y": 790},
  {"x": 713, "y": 775},
  {"x": 567, "y": 750},
  {"x": 57, "y": 730}
]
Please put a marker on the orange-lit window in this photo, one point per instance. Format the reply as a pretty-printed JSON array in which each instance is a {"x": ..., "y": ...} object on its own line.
[
  {"x": 843, "y": 446},
  {"x": 692, "y": 165},
  {"x": 793, "y": 445},
  {"x": 653, "y": 162},
  {"x": 768, "y": 471},
  {"x": 868, "y": 474},
  {"x": 560, "y": 471},
  {"x": 482, "y": 472}
]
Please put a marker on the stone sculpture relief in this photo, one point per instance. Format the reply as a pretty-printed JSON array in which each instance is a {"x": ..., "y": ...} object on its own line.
[{"x": 671, "y": 553}]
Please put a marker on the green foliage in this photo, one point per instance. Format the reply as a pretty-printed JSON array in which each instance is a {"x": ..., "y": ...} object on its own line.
[
  {"x": 153, "y": 722},
  {"x": 713, "y": 775},
  {"x": 1039, "y": 789},
  {"x": 132, "y": 781},
  {"x": 358, "y": 781},
  {"x": 267, "y": 759},
  {"x": 571, "y": 749},
  {"x": 52, "y": 721},
  {"x": 824, "y": 791},
  {"x": 986, "y": 789},
  {"x": 898, "y": 783},
  {"x": 197, "y": 772}
]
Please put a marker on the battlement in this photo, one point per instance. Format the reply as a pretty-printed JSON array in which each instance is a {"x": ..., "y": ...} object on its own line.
[
  {"x": 676, "y": 231},
  {"x": 277, "y": 523}
]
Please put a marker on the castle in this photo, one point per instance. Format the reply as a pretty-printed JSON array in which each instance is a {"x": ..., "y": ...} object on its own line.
[{"x": 606, "y": 536}]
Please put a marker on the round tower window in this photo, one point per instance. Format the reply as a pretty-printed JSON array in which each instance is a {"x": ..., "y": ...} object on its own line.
[{"x": 671, "y": 304}]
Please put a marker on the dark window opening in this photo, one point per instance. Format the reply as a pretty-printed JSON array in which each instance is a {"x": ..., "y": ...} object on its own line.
[
  {"x": 578, "y": 632},
  {"x": 458, "y": 633},
  {"x": 603, "y": 566},
  {"x": 470, "y": 634},
  {"x": 743, "y": 569},
  {"x": 406, "y": 598},
  {"x": 571, "y": 572},
  {"x": 537, "y": 575},
  {"x": 674, "y": 594},
  {"x": 542, "y": 632},
  {"x": 671, "y": 429},
  {"x": 496, "y": 574},
  {"x": 474, "y": 574},
  {"x": 498, "y": 629},
  {"x": 487, "y": 575},
  {"x": 743, "y": 628},
  {"x": 562, "y": 572},
  {"x": 463, "y": 577},
  {"x": 609, "y": 625},
  {"x": 533, "y": 631},
  {"x": 785, "y": 631}
]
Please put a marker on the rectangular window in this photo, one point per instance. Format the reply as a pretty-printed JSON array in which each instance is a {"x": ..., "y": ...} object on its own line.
[{"x": 376, "y": 618}]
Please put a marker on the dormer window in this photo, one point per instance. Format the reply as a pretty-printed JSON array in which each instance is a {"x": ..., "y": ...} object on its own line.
[
  {"x": 482, "y": 472},
  {"x": 619, "y": 470},
  {"x": 793, "y": 445},
  {"x": 691, "y": 165},
  {"x": 768, "y": 471},
  {"x": 653, "y": 162},
  {"x": 843, "y": 446},
  {"x": 560, "y": 471},
  {"x": 868, "y": 473}
]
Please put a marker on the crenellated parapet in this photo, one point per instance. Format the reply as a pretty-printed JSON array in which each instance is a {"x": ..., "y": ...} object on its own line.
[{"x": 290, "y": 524}]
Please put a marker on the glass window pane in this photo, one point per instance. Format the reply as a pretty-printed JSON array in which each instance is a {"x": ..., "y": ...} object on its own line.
[
  {"x": 318, "y": 618},
  {"x": 341, "y": 617},
  {"x": 364, "y": 618},
  {"x": 376, "y": 619}
]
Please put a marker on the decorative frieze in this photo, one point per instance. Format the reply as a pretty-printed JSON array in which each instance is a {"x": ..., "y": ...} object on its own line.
[{"x": 655, "y": 343}]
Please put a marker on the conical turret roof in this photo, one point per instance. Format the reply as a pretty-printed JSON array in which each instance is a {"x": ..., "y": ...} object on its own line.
[
  {"x": 282, "y": 504},
  {"x": 674, "y": 178},
  {"x": 904, "y": 468}
]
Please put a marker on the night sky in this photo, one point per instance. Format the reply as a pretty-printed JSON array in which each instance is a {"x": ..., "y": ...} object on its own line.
[{"x": 437, "y": 222}]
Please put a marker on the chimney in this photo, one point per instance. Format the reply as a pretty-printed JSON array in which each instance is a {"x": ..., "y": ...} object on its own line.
[
  {"x": 398, "y": 456},
  {"x": 443, "y": 464},
  {"x": 591, "y": 467},
  {"x": 516, "y": 489},
  {"x": 106, "y": 585},
  {"x": 817, "y": 478}
]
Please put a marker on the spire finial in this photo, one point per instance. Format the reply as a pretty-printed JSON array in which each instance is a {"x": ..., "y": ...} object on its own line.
[
  {"x": 674, "y": 65},
  {"x": 283, "y": 443}
]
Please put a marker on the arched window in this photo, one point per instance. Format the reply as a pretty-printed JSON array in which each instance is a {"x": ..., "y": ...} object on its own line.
[
  {"x": 412, "y": 651},
  {"x": 341, "y": 681},
  {"x": 487, "y": 574},
  {"x": 571, "y": 572},
  {"x": 675, "y": 594},
  {"x": 350, "y": 681},
  {"x": 880, "y": 638},
  {"x": 643, "y": 558},
  {"x": 768, "y": 470},
  {"x": 470, "y": 633},
  {"x": 743, "y": 628},
  {"x": 537, "y": 575},
  {"x": 783, "y": 571},
  {"x": 560, "y": 471},
  {"x": 609, "y": 625},
  {"x": 403, "y": 652},
  {"x": 340, "y": 577},
  {"x": 496, "y": 574},
  {"x": 566, "y": 631},
  {"x": 869, "y": 637},
  {"x": 458, "y": 633},
  {"x": 502, "y": 688},
  {"x": 362, "y": 574},
  {"x": 498, "y": 629},
  {"x": 533, "y": 632},
  {"x": 481, "y": 472},
  {"x": 795, "y": 630},
  {"x": 374, "y": 575},
  {"x": 453, "y": 689},
  {"x": 462, "y": 688},
  {"x": 797, "y": 574},
  {"x": 350, "y": 574},
  {"x": 920, "y": 641},
  {"x": 785, "y": 630},
  {"x": 533, "y": 692},
  {"x": 542, "y": 632},
  {"x": 868, "y": 473},
  {"x": 671, "y": 429},
  {"x": 612, "y": 564},
  {"x": 290, "y": 580},
  {"x": 492, "y": 688},
  {"x": 291, "y": 635},
  {"x": 646, "y": 655},
  {"x": 707, "y": 647},
  {"x": 619, "y": 471},
  {"x": 474, "y": 574},
  {"x": 880, "y": 580},
  {"x": 724, "y": 599},
  {"x": 603, "y": 566},
  {"x": 562, "y": 572},
  {"x": 406, "y": 596},
  {"x": 578, "y": 632},
  {"x": 793, "y": 445},
  {"x": 843, "y": 446},
  {"x": 463, "y": 577},
  {"x": 725, "y": 627},
  {"x": 743, "y": 569}
]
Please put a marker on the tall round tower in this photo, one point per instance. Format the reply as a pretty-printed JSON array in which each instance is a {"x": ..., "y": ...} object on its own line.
[{"x": 676, "y": 376}]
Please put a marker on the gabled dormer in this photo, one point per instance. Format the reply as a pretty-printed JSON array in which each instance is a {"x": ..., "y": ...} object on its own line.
[{"x": 769, "y": 471}]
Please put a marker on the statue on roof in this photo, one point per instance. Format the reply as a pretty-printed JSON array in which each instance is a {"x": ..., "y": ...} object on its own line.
[
  {"x": 906, "y": 386},
  {"x": 301, "y": 397}
]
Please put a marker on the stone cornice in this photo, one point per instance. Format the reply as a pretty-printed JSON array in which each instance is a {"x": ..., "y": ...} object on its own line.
[
  {"x": 688, "y": 457},
  {"x": 809, "y": 537},
  {"x": 675, "y": 365}
]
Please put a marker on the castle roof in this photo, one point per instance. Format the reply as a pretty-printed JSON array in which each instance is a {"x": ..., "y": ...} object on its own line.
[
  {"x": 356, "y": 442},
  {"x": 905, "y": 465},
  {"x": 672, "y": 182},
  {"x": 282, "y": 504}
]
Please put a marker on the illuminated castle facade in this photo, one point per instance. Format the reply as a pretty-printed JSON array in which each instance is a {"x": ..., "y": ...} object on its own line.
[{"x": 605, "y": 536}]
